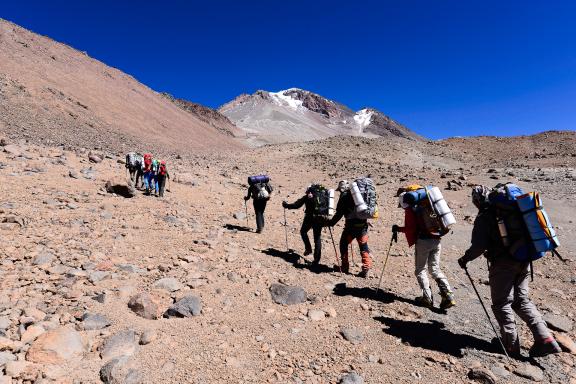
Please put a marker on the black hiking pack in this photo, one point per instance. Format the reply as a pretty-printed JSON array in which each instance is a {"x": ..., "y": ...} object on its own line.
[
  {"x": 321, "y": 203},
  {"x": 262, "y": 191}
]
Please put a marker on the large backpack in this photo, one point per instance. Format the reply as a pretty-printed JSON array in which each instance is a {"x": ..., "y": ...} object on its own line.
[
  {"x": 323, "y": 203},
  {"x": 365, "y": 199},
  {"x": 131, "y": 160},
  {"x": 155, "y": 165},
  {"x": 430, "y": 208},
  {"x": 162, "y": 168},
  {"x": 523, "y": 225},
  {"x": 262, "y": 191}
]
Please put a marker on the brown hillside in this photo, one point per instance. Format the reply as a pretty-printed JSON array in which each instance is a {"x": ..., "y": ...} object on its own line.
[{"x": 52, "y": 93}]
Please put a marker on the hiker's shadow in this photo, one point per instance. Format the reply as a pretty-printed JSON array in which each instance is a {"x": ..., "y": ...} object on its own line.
[
  {"x": 232, "y": 227},
  {"x": 385, "y": 297},
  {"x": 294, "y": 259},
  {"x": 433, "y": 336}
]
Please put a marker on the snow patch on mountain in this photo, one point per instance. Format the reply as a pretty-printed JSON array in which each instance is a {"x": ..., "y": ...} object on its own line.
[
  {"x": 363, "y": 117},
  {"x": 281, "y": 98}
]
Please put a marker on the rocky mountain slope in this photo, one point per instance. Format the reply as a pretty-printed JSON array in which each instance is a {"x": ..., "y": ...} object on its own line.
[
  {"x": 52, "y": 93},
  {"x": 88, "y": 277},
  {"x": 298, "y": 115}
]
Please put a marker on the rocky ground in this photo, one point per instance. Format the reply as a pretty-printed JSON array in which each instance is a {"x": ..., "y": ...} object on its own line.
[{"x": 100, "y": 287}]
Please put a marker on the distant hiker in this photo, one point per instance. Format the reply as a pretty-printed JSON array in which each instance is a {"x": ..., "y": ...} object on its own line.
[
  {"x": 154, "y": 178},
  {"x": 424, "y": 227},
  {"x": 357, "y": 203},
  {"x": 131, "y": 165},
  {"x": 319, "y": 208},
  {"x": 259, "y": 189},
  {"x": 148, "y": 175},
  {"x": 139, "y": 165},
  {"x": 494, "y": 235},
  {"x": 162, "y": 176}
]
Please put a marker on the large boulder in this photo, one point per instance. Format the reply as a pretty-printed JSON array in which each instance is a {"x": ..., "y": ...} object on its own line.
[
  {"x": 56, "y": 347},
  {"x": 188, "y": 306},
  {"x": 121, "y": 344},
  {"x": 144, "y": 306},
  {"x": 120, "y": 189},
  {"x": 287, "y": 295}
]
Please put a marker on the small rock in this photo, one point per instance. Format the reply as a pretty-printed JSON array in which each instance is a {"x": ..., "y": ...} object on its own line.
[
  {"x": 123, "y": 343},
  {"x": 188, "y": 306},
  {"x": 351, "y": 378},
  {"x": 133, "y": 377},
  {"x": 94, "y": 321},
  {"x": 56, "y": 347},
  {"x": 20, "y": 369},
  {"x": 316, "y": 315},
  {"x": 44, "y": 258},
  {"x": 287, "y": 295},
  {"x": 6, "y": 357},
  {"x": 94, "y": 158},
  {"x": 500, "y": 371},
  {"x": 73, "y": 174},
  {"x": 147, "y": 337},
  {"x": 530, "y": 372},
  {"x": 110, "y": 373},
  {"x": 566, "y": 343},
  {"x": 353, "y": 335},
  {"x": 143, "y": 305},
  {"x": 482, "y": 375},
  {"x": 31, "y": 333},
  {"x": 169, "y": 284},
  {"x": 558, "y": 322},
  {"x": 239, "y": 216}
]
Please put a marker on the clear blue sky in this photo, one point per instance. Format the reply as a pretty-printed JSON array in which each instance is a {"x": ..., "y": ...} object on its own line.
[{"x": 443, "y": 68}]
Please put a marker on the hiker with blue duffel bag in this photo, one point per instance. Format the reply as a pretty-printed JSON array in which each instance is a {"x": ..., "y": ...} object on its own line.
[{"x": 512, "y": 230}]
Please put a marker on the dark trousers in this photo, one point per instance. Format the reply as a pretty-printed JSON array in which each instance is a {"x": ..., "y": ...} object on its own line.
[
  {"x": 308, "y": 224},
  {"x": 139, "y": 179},
  {"x": 161, "y": 184},
  {"x": 259, "y": 208}
]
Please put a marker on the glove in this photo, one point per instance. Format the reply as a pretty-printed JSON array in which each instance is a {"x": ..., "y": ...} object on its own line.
[
  {"x": 462, "y": 262},
  {"x": 284, "y": 204},
  {"x": 395, "y": 228},
  {"x": 395, "y": 237}
]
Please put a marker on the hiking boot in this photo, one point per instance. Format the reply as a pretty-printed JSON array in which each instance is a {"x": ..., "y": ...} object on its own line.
[
  {"x": 316, "y": 261},
  {"x": 546, "y": 347},
  {"x": 447, "y": 300},
  {"x": 307, "y": 252},
  {"x": 425, "y": 301},
  {"x": 512, "y": 350},
  {"x": 364, "y": 273}
]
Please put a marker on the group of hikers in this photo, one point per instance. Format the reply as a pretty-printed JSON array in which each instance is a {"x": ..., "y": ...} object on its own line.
[
  {"x": 511, "y": 230},
  {"x": 147, "y": 173}
]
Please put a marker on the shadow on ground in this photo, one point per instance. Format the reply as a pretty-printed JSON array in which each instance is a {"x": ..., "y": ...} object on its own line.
[
  {"x": 382, "y": 296},
  {"x": 433, "y": 336},
  {"x": 232, "y": 227},
  {"x": 297, "y": 261}
]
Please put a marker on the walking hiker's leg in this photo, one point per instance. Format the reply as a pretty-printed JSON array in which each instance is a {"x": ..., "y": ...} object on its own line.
[
  {"x": 364, "y": 250},
  {"x": 526, "y": 309},
  {"x": 434, "y": 266},
  {"x": 317, "y": 231},
  {"x": 161, "y": 184},
  {"x": 501, "y": 277},
  {"x": 306, "y": 225},
  {"x": 420, "y": 261},
  {"x": 345, "y": 240}
]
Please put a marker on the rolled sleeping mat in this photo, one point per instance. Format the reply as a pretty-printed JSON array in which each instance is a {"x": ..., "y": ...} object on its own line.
[
  {"x": 414, "y": 197},
  {"x": 331, "y": 204},
  {"x": 448, "y": 220},
  {"x": 258, "y": 179},
  {"x": 435, "y": 194},
  {"x": 441, "y": 207},
  {"x": 537, "y": 222},
  {"x": 358, "y": 199}
]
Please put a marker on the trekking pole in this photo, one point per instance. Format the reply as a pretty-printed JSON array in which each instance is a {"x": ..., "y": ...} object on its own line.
[
  {"x": 384, "y": 266},
  {"x": 335, "y": 252},
  {"x": 486, "y": 312},
  {"x": 286, "y": 230},
  {"x": 352, "y": 254},
  {"x": 246, "y": 209}
]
